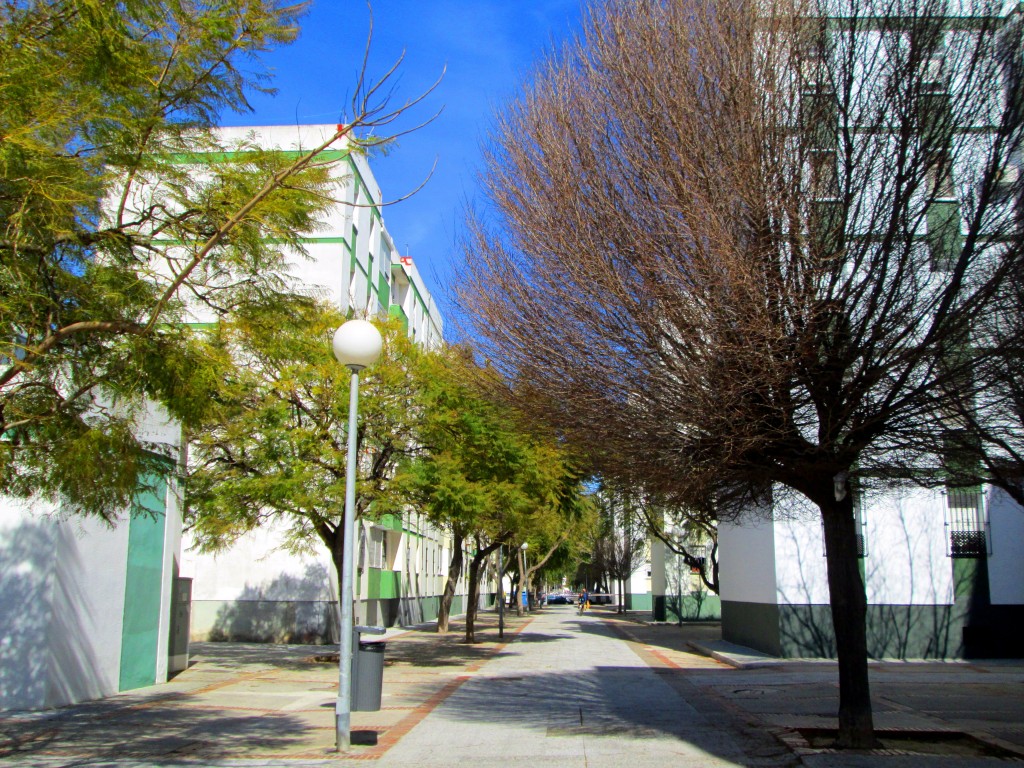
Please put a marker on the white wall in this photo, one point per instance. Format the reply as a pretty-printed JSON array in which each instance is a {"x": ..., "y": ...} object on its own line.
[
  {"x": 658, "y": 554},
  {"x": 906, "y": 543},
  {"x": 1006, "y": 563},
  {"x": 256, "y": 568},
  {"x": 84, "y": 638},
  {"x": 746, "y": 563},
  {"x": 62, "y": 595},
  {"x": 906, "y": 559},
  {"x": 801, "y": 573},
  {"x": 62, "y": 598},
  {"x": 27, "y": 548}
]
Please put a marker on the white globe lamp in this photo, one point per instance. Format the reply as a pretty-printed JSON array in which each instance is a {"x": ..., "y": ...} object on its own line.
[{"x": 357, "y": 344}]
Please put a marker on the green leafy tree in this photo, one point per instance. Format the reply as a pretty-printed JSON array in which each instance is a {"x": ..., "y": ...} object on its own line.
[
  {"x": 274, "y": 447},
  {"x": 108, "y": 231},
  {"x": 480, "y": 476}
]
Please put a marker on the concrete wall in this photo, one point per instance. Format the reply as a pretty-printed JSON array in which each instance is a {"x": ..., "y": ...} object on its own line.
[
  {"x": 86, "y": 606},
  {"x": 85, "y": 609},
  {"x": 1006, "y": 562},
  {"x": 746, "y": 569},
  {"x": 746, "y": 561},
  {"x": 921, "y": 602}
]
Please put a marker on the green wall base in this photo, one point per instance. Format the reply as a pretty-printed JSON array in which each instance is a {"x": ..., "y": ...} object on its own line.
[
  {"x": 893, "y": 631},
  {"x": 706, "y": 607}
]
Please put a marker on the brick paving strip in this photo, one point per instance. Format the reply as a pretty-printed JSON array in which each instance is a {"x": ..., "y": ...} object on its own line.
[{"x": 222, "y": 708}]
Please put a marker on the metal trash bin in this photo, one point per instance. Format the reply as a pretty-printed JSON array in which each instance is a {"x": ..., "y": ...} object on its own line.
[{"x": 367, "y": 670}]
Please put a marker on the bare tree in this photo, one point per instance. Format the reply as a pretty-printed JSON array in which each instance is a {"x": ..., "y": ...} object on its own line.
[
  {"x": 690, "y": 532},
  {"x": 621, "y": 546},
  {"x": 738, "y": 247},
  {"x": 987, "y": 441}
]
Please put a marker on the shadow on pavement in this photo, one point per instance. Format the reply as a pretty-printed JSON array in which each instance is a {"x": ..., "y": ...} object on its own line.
[{"x": 161, "y": 728}]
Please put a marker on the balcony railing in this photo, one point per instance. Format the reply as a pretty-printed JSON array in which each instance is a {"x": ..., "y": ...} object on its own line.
[{"x": 966, "y": 518}]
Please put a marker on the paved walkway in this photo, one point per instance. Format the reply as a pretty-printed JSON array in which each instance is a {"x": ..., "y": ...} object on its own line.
[
  {"x": 571, "y": 692},
  {"x": 559, "y": 690}
]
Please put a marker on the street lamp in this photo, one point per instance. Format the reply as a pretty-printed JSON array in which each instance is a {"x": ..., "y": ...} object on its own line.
[{"x": 357, "y": 344}]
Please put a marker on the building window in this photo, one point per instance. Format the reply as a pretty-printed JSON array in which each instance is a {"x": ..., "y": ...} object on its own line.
[
  {"x": 1008, "y": 179},
  {"x": 377, "y": 548},
  {"x": 966, "y": 522},
  {"x": 944, "y": 237}
]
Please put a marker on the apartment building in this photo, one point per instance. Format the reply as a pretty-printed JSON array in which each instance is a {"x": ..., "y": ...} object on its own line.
[
  {"x": 256, "y": 591},
  {"x": 943, "y": 566}
]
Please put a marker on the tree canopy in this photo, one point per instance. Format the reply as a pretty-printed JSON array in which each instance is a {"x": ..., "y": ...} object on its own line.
[
  {"x": 275, "y": 446},
  {"x": 482, "y": 476},
  {"x": 113, "y": 227}
]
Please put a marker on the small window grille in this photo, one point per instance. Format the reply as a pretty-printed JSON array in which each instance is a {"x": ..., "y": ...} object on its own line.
[
  {"x": 377, "y": 548},
  {"x": 966, "y": 523}
]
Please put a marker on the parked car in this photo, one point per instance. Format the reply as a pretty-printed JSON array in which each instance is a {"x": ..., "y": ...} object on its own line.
[{"x": 559, "y": 600}]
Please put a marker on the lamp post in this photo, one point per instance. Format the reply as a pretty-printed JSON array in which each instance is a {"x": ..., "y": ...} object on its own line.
[
  {"x": 357, "y": 344},
  {"x": 501, "y": 593}
]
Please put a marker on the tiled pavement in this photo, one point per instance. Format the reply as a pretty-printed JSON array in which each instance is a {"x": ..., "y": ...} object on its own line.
[{"x": 562, "y": 690}]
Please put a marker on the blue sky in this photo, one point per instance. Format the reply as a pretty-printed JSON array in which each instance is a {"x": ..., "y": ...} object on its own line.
[{"x": 489, "y": 47}]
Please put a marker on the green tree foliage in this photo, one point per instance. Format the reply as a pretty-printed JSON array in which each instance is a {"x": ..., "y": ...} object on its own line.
[
  {"x": 274, "y": 448},
  {"x": 482, "y": 477},
  {"x": 112, "y": 227}
]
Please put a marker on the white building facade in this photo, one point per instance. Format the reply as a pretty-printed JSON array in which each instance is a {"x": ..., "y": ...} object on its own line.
[
  {"x": 929, "y": 595},
  {"x": 943, "y": 568},
  {"x": 91, "y": 609},
  {"x": 255, "y": 591}
]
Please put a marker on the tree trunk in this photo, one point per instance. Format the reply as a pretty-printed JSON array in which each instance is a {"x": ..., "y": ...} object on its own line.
[
  {"x": 454, "y": 571},
  {"x": 473, "y": 598},
  {"x": 530, "y": 572},
  {"x": 848, "y": 604},
  {"x": 334, "y": 539}
]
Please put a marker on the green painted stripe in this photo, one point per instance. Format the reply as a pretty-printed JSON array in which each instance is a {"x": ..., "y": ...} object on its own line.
[
  {"x": 382, "y": 585},
  {"x": 334, "y": 240},
  {"x": 208, "y": 158},
  {"x": 391, "y": 522},
  {"x": 396, "y": 311},
  {"x": 143, "y": 581}
]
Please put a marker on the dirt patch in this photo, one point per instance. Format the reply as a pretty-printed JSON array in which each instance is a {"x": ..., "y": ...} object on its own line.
[
  {"x": 951, "y": 743},
  {"x": 322, "y": 658}
]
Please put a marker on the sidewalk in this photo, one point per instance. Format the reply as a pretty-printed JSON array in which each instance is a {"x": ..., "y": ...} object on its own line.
[
  {"x": 982, "y": 699},
  {"x": 562, "y": 690},
  {"x": 253, "y": 704}
]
